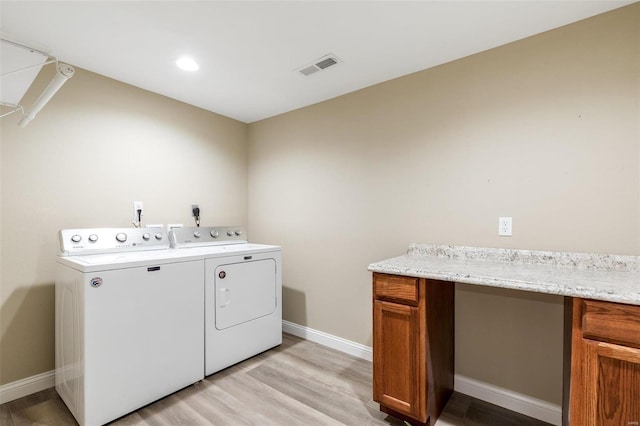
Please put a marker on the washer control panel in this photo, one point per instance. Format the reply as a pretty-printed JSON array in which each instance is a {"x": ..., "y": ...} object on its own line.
[
  {"x": 109, "y": 240},
  {"x": 206, "y": 236}
]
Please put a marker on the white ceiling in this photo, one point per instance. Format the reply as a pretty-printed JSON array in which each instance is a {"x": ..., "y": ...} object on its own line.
[
  {"x": 248, "y": 51},
  {"x": 14, "y": 58}
]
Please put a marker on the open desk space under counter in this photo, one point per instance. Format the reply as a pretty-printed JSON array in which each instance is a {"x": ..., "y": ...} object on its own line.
[{"x": 413, "y": 326}]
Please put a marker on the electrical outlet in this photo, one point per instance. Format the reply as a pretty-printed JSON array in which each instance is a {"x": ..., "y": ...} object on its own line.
[
  {"x": 195, "y": 212},
  {"x": 137, "y": 205},
  {"x": 505, "y": 226}
]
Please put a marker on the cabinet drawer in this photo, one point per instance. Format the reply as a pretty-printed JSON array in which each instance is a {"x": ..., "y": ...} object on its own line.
[
  {"x": 611, "y": 322},
  {"x": 396, "y": 288}
]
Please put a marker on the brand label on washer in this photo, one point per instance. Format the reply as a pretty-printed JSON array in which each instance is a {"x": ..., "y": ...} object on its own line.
[{"x": 96, "y": 282}]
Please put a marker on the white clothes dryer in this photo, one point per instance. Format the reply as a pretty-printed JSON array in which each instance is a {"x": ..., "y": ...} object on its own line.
[
  {"x": 243, "y": 293},
  {"x": 129, "y": 321}
]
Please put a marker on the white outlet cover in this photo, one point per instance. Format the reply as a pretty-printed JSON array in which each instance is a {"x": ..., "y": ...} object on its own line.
[
  {"x": 137, "y": 205},
  {"x": 505, "y": 226}
]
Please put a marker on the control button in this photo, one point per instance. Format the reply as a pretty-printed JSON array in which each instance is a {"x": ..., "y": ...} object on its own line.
[
  {"x": 196, "y": 234},
  {"x": 93, "y": 238},
  {"x": 121, "y": 237},
  {"x": 76, "y": 238},
  {"x": 158, "y": 236},
  {"x": 214, "y": 233},
  {"x": 230, "y": 233},
  {"x": 146, "y": 236},
  {"x": 238, "y": 232}
]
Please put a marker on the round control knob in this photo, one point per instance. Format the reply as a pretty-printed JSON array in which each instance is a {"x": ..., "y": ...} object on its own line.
[
  {"x": 76, "y": 238},
  {"x": 158, "y": 236},
  {"x": 121, "y": 237},
  {"x": 238, "y": 232},
  {"x": 230, "y": 233},
  {"x": 196, "y": 234},
  {"x": 93, "y": 238},
  {"x": 214, "y": 233},
  {"x": 146, "y": 236}
]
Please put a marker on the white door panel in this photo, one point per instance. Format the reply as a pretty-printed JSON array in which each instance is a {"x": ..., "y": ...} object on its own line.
[
  {"x": 244, "y": 291},
  {"x": 144, "y": 335}
]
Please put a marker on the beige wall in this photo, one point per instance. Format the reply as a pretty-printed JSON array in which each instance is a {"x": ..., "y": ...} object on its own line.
[
  {"x": 544, "y": 130},
  {"x": 94, "y": 149}
]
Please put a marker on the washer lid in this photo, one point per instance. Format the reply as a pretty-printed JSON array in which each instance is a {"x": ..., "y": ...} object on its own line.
[{"x": 124, "y": 260}]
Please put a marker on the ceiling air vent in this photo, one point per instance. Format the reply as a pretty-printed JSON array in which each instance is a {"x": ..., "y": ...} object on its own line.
[
  {"x": 326, "y": 63},
  {"x": 319, "y": 64}
]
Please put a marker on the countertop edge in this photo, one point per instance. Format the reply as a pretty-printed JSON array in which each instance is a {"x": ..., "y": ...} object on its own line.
[{"x": 418, "y": 266}]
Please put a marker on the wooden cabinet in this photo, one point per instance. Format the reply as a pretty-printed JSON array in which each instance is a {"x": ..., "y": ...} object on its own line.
[
  {"x": 412, "y": 346},
  {"x": 605, "y": 364},
  {"x": 413, "y": 354},
  {"x": 399, "y": 358}
]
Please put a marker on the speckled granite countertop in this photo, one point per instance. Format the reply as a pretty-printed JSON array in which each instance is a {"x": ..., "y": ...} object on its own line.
[{"x": 612, "y": 278}]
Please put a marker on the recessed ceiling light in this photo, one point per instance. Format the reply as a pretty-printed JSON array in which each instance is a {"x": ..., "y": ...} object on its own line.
[{"x": 187, "y": 64}]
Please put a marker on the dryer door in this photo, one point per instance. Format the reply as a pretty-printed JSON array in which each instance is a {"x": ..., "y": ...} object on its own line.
[{"x": 244, "y": 291}]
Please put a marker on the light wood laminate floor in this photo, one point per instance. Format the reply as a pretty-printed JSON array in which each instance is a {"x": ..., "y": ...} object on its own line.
[{"x": 298, "y": 383}]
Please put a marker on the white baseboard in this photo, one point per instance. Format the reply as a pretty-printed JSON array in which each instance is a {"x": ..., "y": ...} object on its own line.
[
  {"x": 25, "y": 387},
  {"x": 326, "y": 339},
  {"x": 523, "y": 404},
  {"x": 514, "y": 401}
]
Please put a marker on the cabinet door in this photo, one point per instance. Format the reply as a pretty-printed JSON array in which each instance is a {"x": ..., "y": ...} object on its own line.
[
  {"x": 612, "y": 384},
  {"x": 398, "y": 359}
]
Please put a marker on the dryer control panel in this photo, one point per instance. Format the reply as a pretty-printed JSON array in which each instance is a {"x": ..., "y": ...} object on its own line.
[
  {"x": 207, "y": 236},
  {"x": 109, "y": 240}
]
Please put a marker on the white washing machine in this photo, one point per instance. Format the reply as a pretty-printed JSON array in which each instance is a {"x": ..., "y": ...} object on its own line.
[
  {"x": 243, "y": 293},
  {"x": 129, "y": 321}
]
